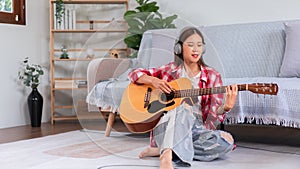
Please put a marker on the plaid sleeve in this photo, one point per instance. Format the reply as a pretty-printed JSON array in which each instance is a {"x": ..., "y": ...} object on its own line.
[
  {"x": 152, "y": 141},
  {"x": 213, "y": 102},
  {"x": 137, "y": 73},
  {"x": 163, "y": 72}
]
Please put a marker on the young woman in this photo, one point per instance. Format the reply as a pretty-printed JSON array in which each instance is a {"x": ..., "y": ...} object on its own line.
[{"x": 189, "y": 132}]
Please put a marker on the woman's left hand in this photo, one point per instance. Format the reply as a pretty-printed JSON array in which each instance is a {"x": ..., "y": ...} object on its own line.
[{"x": 231, "y": 94}]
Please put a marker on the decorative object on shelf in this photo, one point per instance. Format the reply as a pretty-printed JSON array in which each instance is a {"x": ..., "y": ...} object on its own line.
[
  {"x": 64, "y": 54},
  {"x": 145, "y": 17},
  {"x": 59, "y": 10},
  {"x": 91, "y": 25},
  {"x": 30, "y": 75},
  {"x": 81, "y": 83},
  {"x": 114, "y": 53}
]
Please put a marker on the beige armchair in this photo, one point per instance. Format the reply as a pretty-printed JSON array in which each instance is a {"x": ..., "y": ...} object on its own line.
[{"x": 103, "y": 69}]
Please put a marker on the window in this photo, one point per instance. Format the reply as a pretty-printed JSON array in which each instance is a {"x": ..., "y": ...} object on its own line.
[{"x": 12, "y": 12}]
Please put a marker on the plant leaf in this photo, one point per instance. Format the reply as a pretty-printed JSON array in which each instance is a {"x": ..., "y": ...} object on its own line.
[
  {"x": 168, "y": 20},
  {"x": 133, "y": 41},
  {"x": 145, "y": 17}
]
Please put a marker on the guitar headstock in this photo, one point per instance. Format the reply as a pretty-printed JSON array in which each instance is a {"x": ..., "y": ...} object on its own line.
[{"x": 263, "y": 88}]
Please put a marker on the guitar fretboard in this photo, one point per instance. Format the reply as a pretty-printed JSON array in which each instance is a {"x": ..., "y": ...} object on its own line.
[{"x": 204, "y": 91}]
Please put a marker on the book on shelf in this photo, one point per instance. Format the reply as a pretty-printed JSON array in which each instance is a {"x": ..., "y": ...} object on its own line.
[{"x": 65, "y": 84}]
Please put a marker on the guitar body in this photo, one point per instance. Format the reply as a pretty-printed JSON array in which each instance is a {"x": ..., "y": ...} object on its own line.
[{"x": 143, "y": 105}]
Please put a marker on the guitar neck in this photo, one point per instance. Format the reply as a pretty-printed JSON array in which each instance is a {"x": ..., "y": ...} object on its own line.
[{"x": 205, "y": 91}]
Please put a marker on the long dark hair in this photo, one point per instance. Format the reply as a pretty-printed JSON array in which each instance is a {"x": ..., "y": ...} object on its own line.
[{"x": 187, "y": 32}]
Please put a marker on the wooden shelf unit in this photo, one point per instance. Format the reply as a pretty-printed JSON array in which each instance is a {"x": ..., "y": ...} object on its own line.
[
  {"x": 83, "y": 31},
  {"x": 87, "y": 31}
]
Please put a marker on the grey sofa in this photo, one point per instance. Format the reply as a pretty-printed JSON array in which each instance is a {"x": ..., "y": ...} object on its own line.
[{"x": 242, "y": 53}]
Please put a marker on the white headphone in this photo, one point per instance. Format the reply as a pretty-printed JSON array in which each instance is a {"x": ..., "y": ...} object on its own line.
[{"x": 177, "y": 48}]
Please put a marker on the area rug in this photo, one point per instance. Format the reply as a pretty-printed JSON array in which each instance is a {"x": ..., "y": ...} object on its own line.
[
  {"x": 91, "y": 150},
  {"x": 99, "y": 147}
]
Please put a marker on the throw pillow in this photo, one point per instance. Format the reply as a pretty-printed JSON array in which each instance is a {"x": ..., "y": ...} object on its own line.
[{"x": 291, "y": 60}]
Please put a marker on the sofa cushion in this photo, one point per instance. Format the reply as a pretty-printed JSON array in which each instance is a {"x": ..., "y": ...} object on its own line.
[
  {"x": 256, "y": 49},
  {"x": 291, "y": 60}
]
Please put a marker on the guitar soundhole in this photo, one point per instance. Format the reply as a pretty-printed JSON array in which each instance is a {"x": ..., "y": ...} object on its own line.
[{"x": 165, "y": 97}]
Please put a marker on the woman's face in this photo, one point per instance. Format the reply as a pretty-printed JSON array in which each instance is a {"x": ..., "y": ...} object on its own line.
[{"x": 192, "y": 49}]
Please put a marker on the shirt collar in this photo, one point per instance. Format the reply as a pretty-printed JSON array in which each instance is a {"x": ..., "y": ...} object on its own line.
[{"x": 177, "y": 70}]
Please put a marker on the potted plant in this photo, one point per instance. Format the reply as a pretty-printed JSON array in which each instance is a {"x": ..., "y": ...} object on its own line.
[
  {"x": 145, "y": 17},
  {"x": 29, "y": 75}
]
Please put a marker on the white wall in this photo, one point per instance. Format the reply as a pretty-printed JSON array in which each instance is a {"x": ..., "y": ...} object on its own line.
[
  {"x": 32, "y": 40},
  {"x": 16, "y": 43},
  {"x": 218, "y": 12}
]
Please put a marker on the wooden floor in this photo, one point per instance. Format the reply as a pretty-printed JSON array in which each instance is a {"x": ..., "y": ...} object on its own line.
[{"x": 28, "y": 132}]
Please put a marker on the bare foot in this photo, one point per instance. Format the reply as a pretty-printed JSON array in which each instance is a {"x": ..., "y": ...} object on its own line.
[
  {"x": 149, "y": 152},
  {"x": 228, "y": 137},
  {"x": 166, "y": 160}
]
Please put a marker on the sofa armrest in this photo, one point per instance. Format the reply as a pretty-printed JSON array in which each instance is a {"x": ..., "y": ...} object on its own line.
[
  {"x": 105, "y": 68},
  {"x": 102, "y": 69}
]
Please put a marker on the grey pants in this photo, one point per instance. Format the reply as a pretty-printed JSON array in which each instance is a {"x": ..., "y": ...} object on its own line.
[{"x": 182, "y": 130}]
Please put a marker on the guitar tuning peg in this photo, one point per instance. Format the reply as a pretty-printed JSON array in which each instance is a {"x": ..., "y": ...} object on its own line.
[
  {"x": 264, "y": 96},
  {"x": 257, "y": 95}
]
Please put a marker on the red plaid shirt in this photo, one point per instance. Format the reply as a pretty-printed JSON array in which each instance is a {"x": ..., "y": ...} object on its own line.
[{"x": 208, "y": 78}]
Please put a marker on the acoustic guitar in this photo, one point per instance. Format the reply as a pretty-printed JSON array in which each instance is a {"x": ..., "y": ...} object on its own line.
[{"x": 143, "y": 105}]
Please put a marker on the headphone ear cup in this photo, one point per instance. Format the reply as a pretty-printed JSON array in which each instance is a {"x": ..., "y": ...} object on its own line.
[{"x": 177, "y": 49}]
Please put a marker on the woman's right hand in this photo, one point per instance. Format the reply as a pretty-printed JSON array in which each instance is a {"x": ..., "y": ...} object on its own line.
[
  {"x": 161, "y": 84},
  {"x": 155, "y": 82}
]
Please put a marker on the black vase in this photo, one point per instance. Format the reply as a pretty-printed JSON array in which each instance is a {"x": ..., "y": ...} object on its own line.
[{"x": 35, "y": 106}]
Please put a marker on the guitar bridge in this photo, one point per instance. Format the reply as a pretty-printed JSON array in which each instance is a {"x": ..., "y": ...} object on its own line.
[{"x": 147, "y": 97}]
